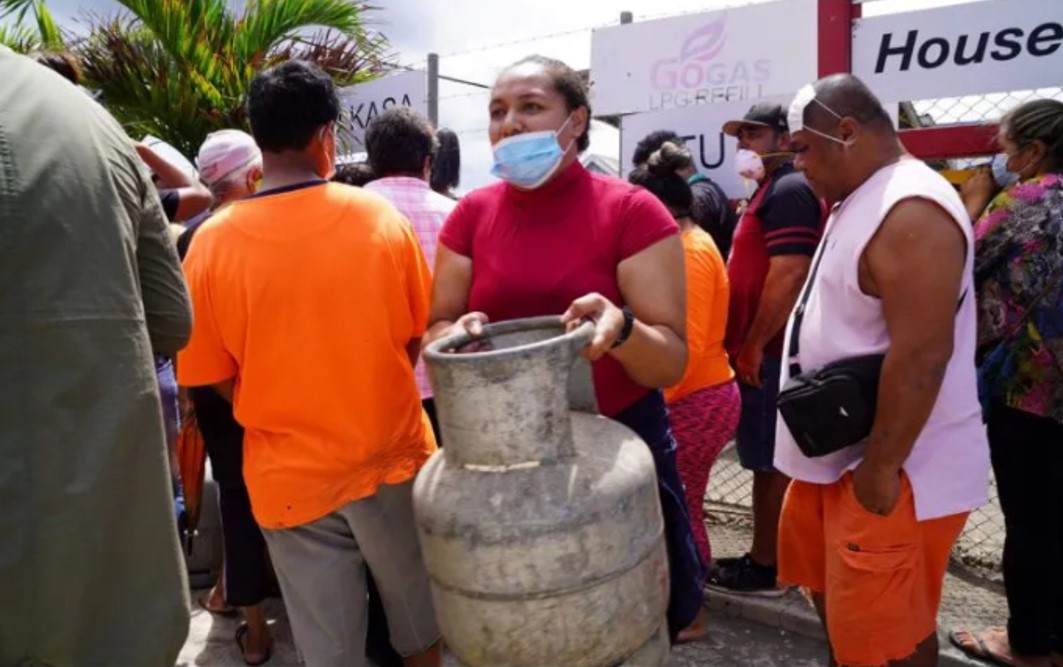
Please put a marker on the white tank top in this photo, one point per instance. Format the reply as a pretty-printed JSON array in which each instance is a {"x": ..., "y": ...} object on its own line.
[{"x": 949, "y": 465}]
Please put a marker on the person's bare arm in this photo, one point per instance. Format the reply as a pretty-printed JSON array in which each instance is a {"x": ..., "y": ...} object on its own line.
[
  {"x": 451, "y": 282},
  {"x": 915, "y": 265},
  {"x": 653, "y": 284},
  {"x": 170, "y": 175},
  {"x": 192, "y": 196},
  {"x": 786, "y": 276},
  {"x": 978, "y": 191}
]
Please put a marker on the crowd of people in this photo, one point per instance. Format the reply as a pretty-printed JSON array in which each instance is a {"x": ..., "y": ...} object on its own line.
[{"x": 314, "y": 287}]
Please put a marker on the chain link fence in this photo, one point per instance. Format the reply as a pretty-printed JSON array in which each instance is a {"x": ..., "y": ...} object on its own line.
[
  {"x": 978, "y": 108},
  {"x": 981, "y": 545}
]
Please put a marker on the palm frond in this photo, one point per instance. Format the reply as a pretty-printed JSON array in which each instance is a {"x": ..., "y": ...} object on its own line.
[
  {"x": 347, "y": 60},
  {"x": 267, "y": 23},
  {"x": 19, "y": 38},
  {"x": 51, "y": 36},
  {"x": 180, "y": 69},
  {"x": 20, "y": 7},
  {"x": 146, "y": 89},
  {"x": 182, "y": 28}
]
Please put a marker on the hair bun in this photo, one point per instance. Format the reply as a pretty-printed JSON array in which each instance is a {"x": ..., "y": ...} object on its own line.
[{"x": 669, "y": 158}]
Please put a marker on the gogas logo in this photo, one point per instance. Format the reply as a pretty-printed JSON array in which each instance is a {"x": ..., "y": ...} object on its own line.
[{"x": 699, "y": 76}]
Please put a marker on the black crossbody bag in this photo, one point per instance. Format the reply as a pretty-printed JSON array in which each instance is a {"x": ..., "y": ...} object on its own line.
[{"x": 833, "y": 407}]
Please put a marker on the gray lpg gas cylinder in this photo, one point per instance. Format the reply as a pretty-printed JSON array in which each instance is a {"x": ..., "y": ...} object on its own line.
[{"x": 539, "y": 521}]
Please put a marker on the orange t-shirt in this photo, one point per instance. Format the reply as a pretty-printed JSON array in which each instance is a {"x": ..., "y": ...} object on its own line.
[
  {"x": 309, "y": 296},
  {"x": 708, "y": 296}
]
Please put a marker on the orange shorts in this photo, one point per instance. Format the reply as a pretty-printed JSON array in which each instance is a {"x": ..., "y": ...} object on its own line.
[{"x": 881, "y": 576}]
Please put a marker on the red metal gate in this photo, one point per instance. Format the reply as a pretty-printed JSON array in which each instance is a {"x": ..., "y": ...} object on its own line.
[{"x": 835, "y": 55}]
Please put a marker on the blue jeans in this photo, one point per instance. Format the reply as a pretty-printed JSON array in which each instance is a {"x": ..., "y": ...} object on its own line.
[{"x": 648, "y": 417}]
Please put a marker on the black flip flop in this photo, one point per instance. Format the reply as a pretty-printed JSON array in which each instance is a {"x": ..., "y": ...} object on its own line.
[{"x": 241, "y": 632}]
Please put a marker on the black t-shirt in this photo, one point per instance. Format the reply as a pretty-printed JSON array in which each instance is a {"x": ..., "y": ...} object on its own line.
[
  {"x": 185, "y": 239},
  {"x": 713, "y": 212},
  {"x": 791, "y": 215},
  {"x": 170, "y": 201},
  {"x": 784, "y": 218}
]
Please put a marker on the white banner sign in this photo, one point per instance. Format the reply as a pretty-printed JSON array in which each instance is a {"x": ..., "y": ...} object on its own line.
[
  {"x": 701, "y": 128},
  {"x": 365, "y": 101},
  {"x": 744, "y": 53},
  {"x": 979, "y": 47}
]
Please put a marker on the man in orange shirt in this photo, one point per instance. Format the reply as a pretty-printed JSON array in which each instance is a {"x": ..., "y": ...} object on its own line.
[{"x": 310, "y": 300}]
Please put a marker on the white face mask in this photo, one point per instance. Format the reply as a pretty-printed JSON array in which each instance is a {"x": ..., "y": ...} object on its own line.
[
  {"x": 749, "y": 165},
  {"x": 796, "y": 115}
]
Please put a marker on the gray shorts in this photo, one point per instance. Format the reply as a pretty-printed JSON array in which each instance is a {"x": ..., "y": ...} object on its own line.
[{"x": 321, "y": 569}]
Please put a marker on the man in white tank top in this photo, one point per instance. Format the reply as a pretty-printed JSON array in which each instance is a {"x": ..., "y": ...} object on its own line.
[{"x": 869, "y": 529}]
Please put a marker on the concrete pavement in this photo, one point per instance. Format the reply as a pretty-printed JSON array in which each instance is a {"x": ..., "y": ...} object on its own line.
[
  {"x": 732, "y": 642},
  {"x": 968, "y": 599},
  {"x": 744, "y": 631}
]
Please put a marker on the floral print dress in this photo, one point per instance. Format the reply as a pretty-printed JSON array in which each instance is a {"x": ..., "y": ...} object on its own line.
[{"x": 1019, "y": 261}]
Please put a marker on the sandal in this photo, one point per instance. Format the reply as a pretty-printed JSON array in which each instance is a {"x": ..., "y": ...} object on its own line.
[
  {"x": 204, "y": 601},
  {"x": 980, "y": 651},
  {"x": 241, "y": 633}
]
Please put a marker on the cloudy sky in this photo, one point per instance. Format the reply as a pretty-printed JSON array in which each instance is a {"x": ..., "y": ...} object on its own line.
[{"x": 476, "y": 38}]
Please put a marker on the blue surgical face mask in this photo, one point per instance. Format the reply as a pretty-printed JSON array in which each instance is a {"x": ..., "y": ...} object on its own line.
[
  {"x": 528, "y": 160},
  {"x": 1001, "y": 174}
]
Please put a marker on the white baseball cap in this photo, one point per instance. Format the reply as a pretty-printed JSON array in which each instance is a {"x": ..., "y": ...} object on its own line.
[
  {"x": 796, "y": 115},
  {"x": 224, "y": 152}
]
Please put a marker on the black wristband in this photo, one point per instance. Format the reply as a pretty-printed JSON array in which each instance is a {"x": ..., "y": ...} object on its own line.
[{"x": 629, "y": 326}]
